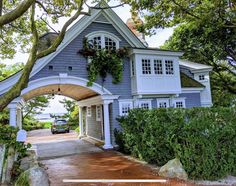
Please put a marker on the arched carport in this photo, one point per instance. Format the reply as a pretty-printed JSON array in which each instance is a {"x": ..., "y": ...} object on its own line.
[{"x": 70, "y": 86}]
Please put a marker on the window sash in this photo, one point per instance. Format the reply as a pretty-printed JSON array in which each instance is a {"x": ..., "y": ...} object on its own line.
[
  {"x": 89, "y": 111},
  {"x": 146, "y": 66},
  {"x": 98, "y": 113},
  {"x": 169, "y": 67}
]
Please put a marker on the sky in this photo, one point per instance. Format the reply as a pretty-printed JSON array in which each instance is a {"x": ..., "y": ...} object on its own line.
[{"x": 154, "y": 41}]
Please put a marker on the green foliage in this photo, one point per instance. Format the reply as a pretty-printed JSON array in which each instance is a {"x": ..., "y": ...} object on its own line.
[
  {"x": 8, "y": 137},
  {"x": 74, "y": 118},
  {"x": 204, "y": 139},
  {"x": 4, "y": 117},
  {"x": 104, "y": 62},
  {"x": 36, "y": 105},
  {"x": 77, "y": 130},
  {"x": 30, "y": 123},
  {"x": 23, "y": 179},
  {"x": 8, "y": 70}
]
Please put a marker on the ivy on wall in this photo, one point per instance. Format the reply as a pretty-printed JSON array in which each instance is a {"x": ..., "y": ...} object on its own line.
[{"x": 103, "y": 62}]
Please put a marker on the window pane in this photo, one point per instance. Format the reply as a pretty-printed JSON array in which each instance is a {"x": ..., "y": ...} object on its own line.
[
  {"x": 110, "y": 44},
  {"x": 95, "y": 43},
  {"x": 169, "y": 67},
  {"x": 162, "y": 105},
  {"x": 144, "y": 105},
  {"x": 158, "y": 67},
  {"x": 179, "y": 104},
  {"x": 146, "y": 66},
  {"x": 132, "y": 68},
  {"x": 125, "y": 108},
  {"x": 201, "y": 77}
]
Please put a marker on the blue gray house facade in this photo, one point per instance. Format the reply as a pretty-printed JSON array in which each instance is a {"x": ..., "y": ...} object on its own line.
[{"x": 152, "y": 78}]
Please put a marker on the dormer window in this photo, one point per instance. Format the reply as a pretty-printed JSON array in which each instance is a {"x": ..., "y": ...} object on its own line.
[{"x": 101, "y": 39}]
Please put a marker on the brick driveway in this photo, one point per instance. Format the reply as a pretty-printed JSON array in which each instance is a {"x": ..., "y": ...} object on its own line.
[{"x": 89, "y": 163}]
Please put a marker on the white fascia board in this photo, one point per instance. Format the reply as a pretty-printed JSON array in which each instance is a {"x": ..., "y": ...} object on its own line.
[
  {"x": 90, "y": 101},
  {"x": 156, "y": 93},
  {"x": 201, "y": 70},
  {"x": 6, "y": 84},
  {"x": 123, "y": 28},
  {"x": 156, "y": 52},
  {"x": 70, "y": 35},
  {"x": 192, "y": 90},
  {"x": 76, "y": 29}
]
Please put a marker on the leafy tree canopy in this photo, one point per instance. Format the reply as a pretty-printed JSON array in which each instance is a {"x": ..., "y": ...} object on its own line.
[{"x": 206, "y": 31}]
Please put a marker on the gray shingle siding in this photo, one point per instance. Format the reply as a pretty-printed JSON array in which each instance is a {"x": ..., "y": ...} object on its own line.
[
  {"x": 94, "y": 127},
  {"x": 114, "y": 123},
  {"x": 69, "y": 57},
  {"x": 192, "y": 99},
  {"x": 102, "y": 18}
]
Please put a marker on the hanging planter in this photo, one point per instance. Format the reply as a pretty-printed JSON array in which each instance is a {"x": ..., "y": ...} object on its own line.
[{"x": 103, "y": 62}]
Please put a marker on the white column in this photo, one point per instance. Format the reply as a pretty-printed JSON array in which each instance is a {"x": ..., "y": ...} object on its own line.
[
  {"x": 13, "y": 114},
  {"x": 106, "y": 120},
  {"x": 19, "y": 118},
  {"x": 81, "y": 129}
]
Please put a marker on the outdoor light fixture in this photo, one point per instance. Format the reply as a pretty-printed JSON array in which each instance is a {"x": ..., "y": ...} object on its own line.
[
  {"x": 59, "y": 90},
  {"x": 53, "y": 94}
]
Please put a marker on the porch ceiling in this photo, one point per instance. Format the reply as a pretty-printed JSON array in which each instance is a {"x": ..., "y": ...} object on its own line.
[{"x": 73, "y": 91}]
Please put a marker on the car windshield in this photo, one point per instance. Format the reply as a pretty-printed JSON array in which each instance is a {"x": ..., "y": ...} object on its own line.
[{"x": 60, "y": 122}]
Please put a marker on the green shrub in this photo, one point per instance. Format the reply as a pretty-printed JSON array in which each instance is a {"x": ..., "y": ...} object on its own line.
[
  {"x": 77, "y": 130},
  {"x": 204, "y": 139}
]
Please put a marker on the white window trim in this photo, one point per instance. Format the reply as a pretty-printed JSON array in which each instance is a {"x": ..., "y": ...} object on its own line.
[
  {"x": 167, "y": 59},
  {"x": 97, "y": 108},
  {"x": 125, "y": 102},
  {"x": 132, "y": 68},
  {"x": 163, "y": 59},
  {"x": 104, "y": 34},
  {"x": 148, "y": 101},
  {"x": 162, "y": 66},
  {"x": 178, "y": 100},
  {"x": 89, "y": 111},
  {"x": 166, "y": 100}
]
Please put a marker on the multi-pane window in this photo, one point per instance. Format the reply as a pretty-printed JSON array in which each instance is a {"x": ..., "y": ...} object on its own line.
[
  {"x": 95, "y": 43},
  {"x": 125, "y": 107},
  {"x": 110, "y": 44},
  {"x": 201, "y": 77},
  {"x": 163, "y": 102},
  {"x": 158, "y": 67},
  {"x": 162, "y": 105},
  {"x": 169, "y": 67},
  {"x": 146, "y": 66},
  {"x": 98, "y": 113},
  {"x": 144, "y": 105},
  {"x": 179, "y": 104},
  {"x": 89, "y": 112},
  {"x": 132, "y": 68}
]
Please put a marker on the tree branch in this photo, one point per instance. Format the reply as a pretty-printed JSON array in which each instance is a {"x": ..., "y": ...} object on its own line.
[
  {"x": 1, "y": 6},
  {"x": 185, "y": 10},
  {"x": 108, "y": 7},
  {"x": 61, "y": 35},
  {"x": 16, "y": 13},
  {"x": 23, "y": 80}
]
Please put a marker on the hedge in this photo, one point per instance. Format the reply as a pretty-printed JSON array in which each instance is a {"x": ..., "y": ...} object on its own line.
[{"x": 204, "y": 139}]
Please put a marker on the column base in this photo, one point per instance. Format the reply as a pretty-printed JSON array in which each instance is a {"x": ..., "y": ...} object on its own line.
[{"x": 107, "y": 147}]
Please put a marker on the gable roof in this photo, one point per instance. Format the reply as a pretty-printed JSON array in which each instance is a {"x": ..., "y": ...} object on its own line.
[
  {"x": 194, "y": 67},
  {"x": 188, "y": 82},
  {"x": 72, "y": 33}
]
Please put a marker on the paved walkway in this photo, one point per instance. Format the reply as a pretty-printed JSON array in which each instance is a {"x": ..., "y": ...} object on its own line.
[{"x": 81, "y": 160}]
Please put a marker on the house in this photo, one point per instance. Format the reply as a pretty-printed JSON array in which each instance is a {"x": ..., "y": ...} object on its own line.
[{"x": 152, "y": 78}]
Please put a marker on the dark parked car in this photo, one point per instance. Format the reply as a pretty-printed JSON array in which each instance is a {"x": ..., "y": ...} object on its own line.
[{"x": 60, "y": 125}]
